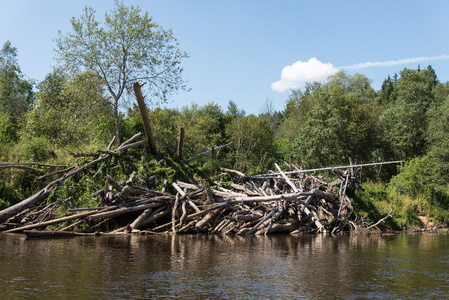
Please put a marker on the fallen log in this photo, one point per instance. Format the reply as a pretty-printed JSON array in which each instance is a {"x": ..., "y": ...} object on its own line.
[
  {"x": 55, "y": 221},
  {"x": 274, "y": 175},
  {"x": 238, "y": 173},
  {"x": 42, "y": 194},
  {"x": 262, "y": 221},
  {"x": 37, "y": 233},
  {"x": 318, "y": 224},
  {"x": 141, "y": 218},
  {"x": 206, "y": 220},
  {"x": 123, "y": 210},
  {"x": 156, "y": 215}
]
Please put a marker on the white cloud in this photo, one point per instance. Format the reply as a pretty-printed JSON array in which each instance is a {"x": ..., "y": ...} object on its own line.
[
  {"x": 394, "y": 62},
  {"x": 296, "y": 75}
]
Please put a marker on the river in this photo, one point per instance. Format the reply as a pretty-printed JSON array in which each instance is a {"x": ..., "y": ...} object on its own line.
[{"x": 402, "y": 266}]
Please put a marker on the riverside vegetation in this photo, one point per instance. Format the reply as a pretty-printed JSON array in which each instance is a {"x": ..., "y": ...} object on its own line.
[{"x": 71, "y": 116}]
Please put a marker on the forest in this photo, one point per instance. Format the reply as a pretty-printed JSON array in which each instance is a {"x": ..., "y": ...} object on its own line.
[{"x": 78, "y": 110}]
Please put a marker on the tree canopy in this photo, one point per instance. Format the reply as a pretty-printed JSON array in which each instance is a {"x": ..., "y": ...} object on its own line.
[
  {"x": 128, "y": 47},
  {"x": 16, "y": 93}
]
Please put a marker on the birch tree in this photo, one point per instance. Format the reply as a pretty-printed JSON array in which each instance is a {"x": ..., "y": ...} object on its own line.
[{"x": 128, "y": 47}]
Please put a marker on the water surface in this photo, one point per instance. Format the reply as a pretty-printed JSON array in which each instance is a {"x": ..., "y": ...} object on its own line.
[{"x": 405, "y": 266}]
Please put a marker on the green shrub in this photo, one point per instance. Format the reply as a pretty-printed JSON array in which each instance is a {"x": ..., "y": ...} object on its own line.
[
  {"x": 8, "y": 195},
  {"x": 413, "y": 177},
  {"x": 33, "y": 149},
  {"x": 378, "y": 200},
  {"x": 414, "y": 183},
  {"x": 7, "y": 129}
]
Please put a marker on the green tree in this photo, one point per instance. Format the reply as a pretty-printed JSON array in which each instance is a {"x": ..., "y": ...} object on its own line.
[
  {"x": 273, "y": 117},
  {"x": 70, "y": 110},
  {"x": 204, "y": 127},
  {"x": 338, "y": 127},
  {"x": 252, "y": 142},
  {"x": 16, "y": 93},
  {"x": 406, "y": 120},
  {"x": 129, "y": 47},
  {"x": 233, "y": 111},
  {"x": 358, "y": 85},
  {"x": 438, "y": 139},
  {"x": 386, "y": 91},
  {"x": 299, "y": 105},
  {"x": 328, "y": 123},
  {"x": 46, "y": 117}
]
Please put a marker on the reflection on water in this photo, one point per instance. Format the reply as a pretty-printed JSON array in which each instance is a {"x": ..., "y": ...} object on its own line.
[{"x": 226, "y": 267}]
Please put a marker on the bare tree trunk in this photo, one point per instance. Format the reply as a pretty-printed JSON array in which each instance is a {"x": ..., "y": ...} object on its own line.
[
  {"x": 181, "y": 141},
  {"x": 117, "y": 122},
  {"x": 145, "y": 118}
]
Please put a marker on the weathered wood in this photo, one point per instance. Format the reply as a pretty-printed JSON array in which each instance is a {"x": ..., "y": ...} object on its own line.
[
  {"x": 274, "y": 175},
  {"x": 181, "y": 141},
  {"x": 124, "y": 210},
  {"x": 283, "y": 227},
  {"x": 55, "y": 221},
  {"x": 136, "y": 223},
  {"x": 247, "y": 217},
  {"x": 140, "y": 143},
  {"x": 128, "y": 142},
  {"x": 305, "y": 209},
  {"x": 206, "y": 220},
  {"x": 34, "y": 199},
  {"x": 156, "y": 215},
  {"x": 190, "y": 186},
  {"x": 205, "y": 211},
  {"x": 323, "y": 195},
  {"x": 192, "y": 216},
  {"x": 111, "y": 143},
  {"x": 295, "y": 195},
  {"x": 145, "y": 118},
  {"x": 227, "y": 194},
  {"x": 36, "y": 233},
  {"x": 262, "y": 221},
  {"x": 53, "y": 173},
  {"x": 184, "y": 213},
  {"x": 207, "y": 152},
  {"x": 381, "y": 220},
  {"x": 220, "y": 226},
  {"x": 184, "y": 195},
  {"x": 249, "y": 206},
  {"x": 42, "y": 194},
  {"x": 269, "y": 222},
  {"x": 174, "y": 211},
  {"x": 234, "y": 172},
  {"x": 187, "y": 227}
]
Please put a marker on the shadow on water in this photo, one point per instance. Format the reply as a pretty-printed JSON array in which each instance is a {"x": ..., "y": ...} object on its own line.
[{"x": 226, "y": 267}]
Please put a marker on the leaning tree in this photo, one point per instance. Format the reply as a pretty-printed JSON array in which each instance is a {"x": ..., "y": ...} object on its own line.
[{"x": 126, "y": 48}]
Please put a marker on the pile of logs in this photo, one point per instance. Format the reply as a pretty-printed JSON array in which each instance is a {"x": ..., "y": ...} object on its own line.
[
  {"x": 261, "y": 204},
  {"x": 278, "y": 202}
]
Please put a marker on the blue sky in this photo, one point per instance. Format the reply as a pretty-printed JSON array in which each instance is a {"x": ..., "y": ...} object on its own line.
[{"x": 252, "y": 52}]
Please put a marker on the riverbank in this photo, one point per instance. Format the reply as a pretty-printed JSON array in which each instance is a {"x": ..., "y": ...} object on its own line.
[{"x": 125, "y": 190}]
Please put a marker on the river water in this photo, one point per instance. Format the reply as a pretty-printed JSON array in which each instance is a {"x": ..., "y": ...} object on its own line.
[{"x": 403, "y": 266}]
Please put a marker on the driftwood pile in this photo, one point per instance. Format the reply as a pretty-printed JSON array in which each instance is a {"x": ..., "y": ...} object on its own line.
[
  {"x": 261, "y": 204},
  {"x": 278, "y": 202}
]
